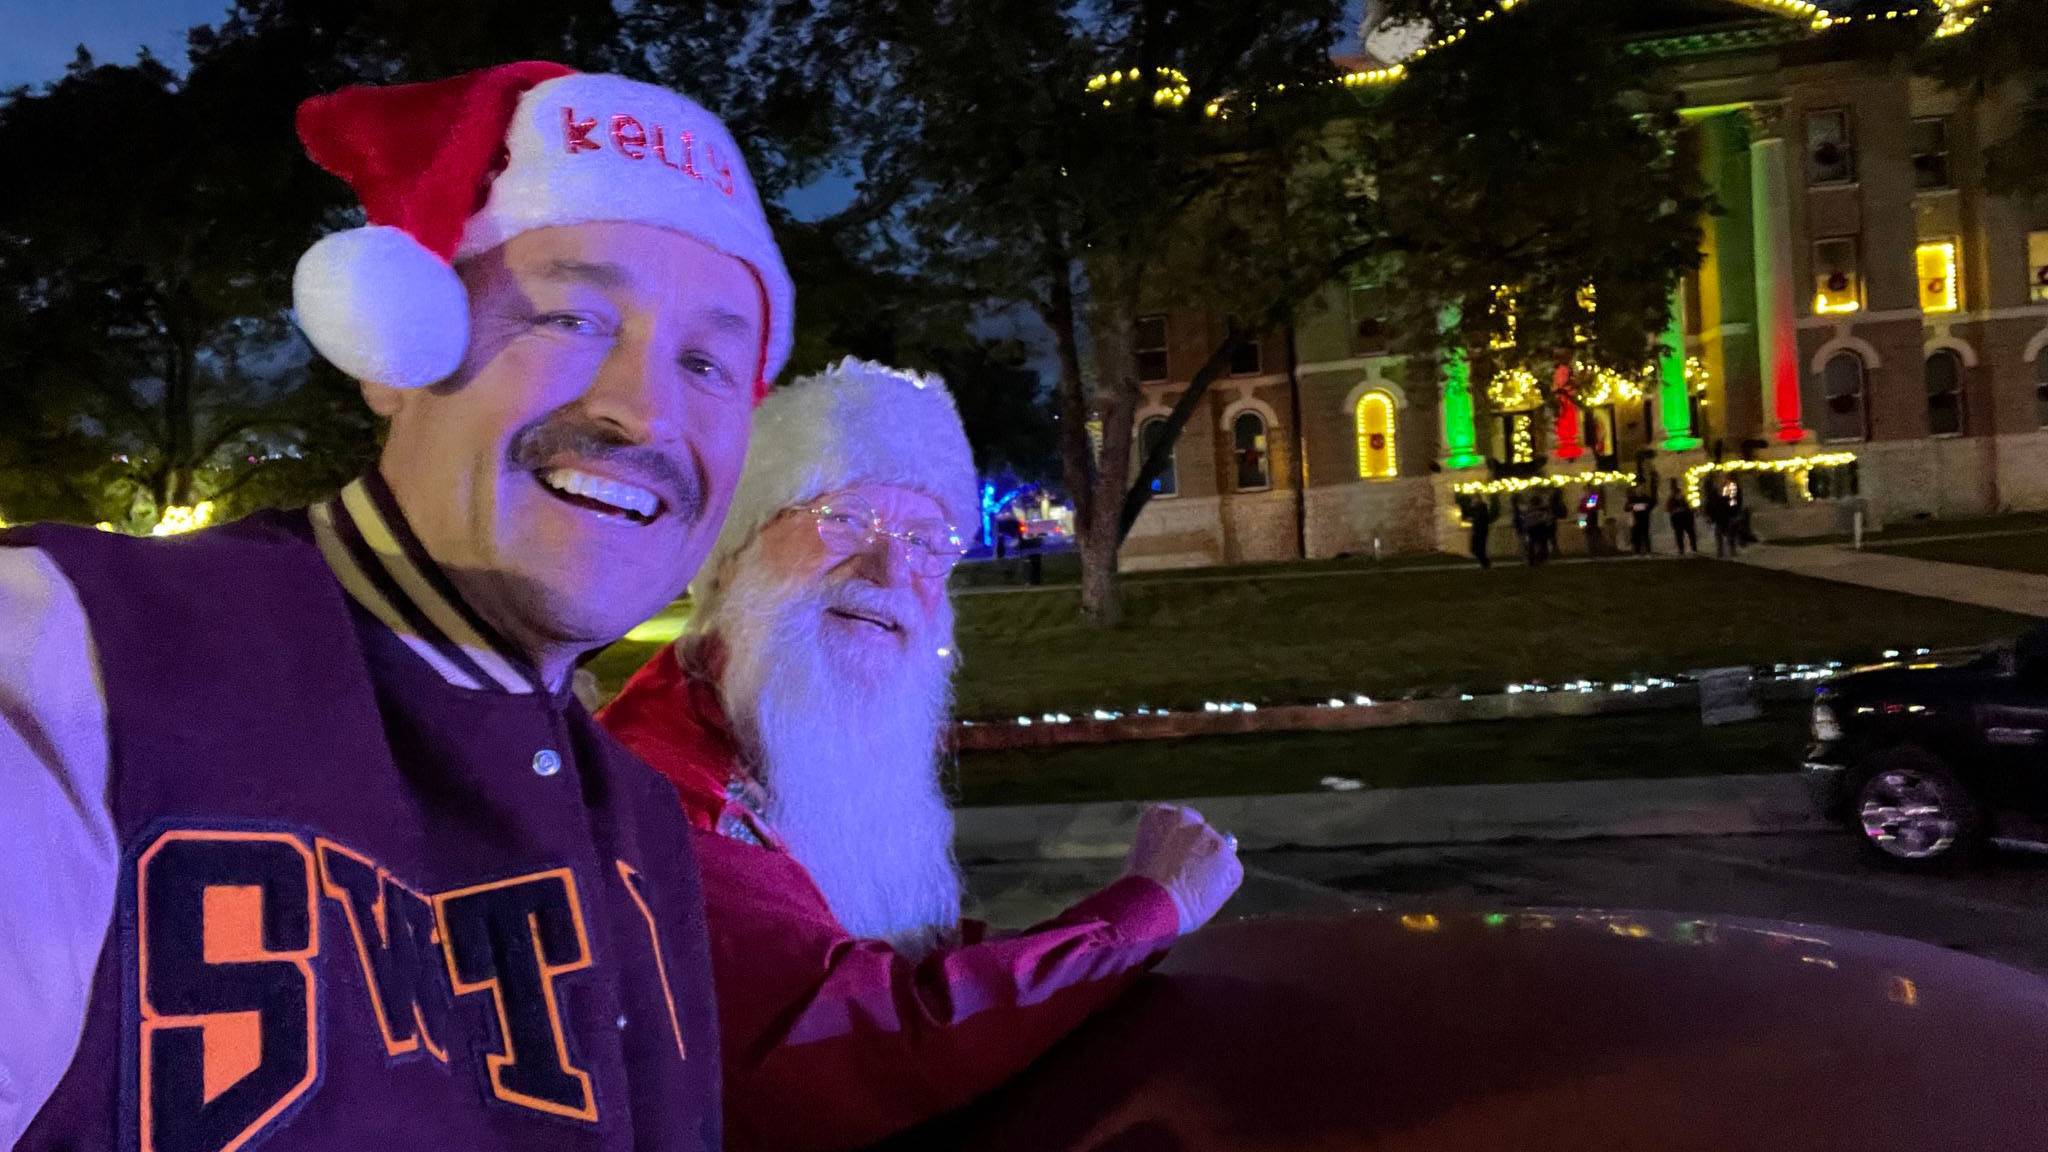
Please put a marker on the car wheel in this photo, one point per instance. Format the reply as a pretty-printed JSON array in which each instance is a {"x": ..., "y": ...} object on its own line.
[{"x": 1912, "y": 812}]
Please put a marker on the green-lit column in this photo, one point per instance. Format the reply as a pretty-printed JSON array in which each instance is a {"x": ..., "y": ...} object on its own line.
[
  {"x": 1673, "y": 399},
  {"x": 1461, "y": 437}
]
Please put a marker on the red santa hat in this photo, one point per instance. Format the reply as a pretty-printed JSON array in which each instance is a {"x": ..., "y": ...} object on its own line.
[
  {"x": 857, "y": 422},
  {"x": 452, "y": 168}
]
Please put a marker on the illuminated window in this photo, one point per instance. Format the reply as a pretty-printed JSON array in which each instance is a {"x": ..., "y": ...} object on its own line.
[
  {"x": 2037, "y": 266},
  {"x": 1837, "y": 278},
  {"x": 1151, "y": 434},
  {"x": 1830, "y": 153},
  {"x": 1937, "y": 260},
  {"x": 1945, "y": 393},
  {"x": 1151, "y": 342},
  {"x": 1248, "y": 446},
  {"x": 1244, "y": 360},
  {"x": 1375, "y": 421},
  {"x": 1846, "y": 417},
  {"x": 1368, "y": 323},
  {"x": 1930, "y": 152}
]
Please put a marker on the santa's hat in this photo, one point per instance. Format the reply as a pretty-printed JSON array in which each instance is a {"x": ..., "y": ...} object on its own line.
[
  {"x": 452, "y": 168},
  {"x": 856, "y": 422}
]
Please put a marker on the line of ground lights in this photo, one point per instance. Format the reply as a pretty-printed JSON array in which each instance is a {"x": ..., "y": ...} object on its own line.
[
  {"x": 1957, "y": 16},
  {"x": 1787, "y": 673}
]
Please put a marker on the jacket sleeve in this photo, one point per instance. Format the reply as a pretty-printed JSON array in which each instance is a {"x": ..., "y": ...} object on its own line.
[
  {"x": 58, "y": 854},
  {"x": 831, "y": 1042}
]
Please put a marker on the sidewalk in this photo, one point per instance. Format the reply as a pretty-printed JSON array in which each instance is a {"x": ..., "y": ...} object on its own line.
[
  {"x": 1685, "y": 806},
  {"x": 2024, "y": 593}
]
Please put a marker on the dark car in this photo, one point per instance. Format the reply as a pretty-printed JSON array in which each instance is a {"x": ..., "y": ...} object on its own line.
[
  {"x": 1533, "y": 1030},
  {"x": 1931, "y": 759}
]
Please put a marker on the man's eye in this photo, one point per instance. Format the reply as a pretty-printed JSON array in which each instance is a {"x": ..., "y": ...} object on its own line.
[
  {"x": 706, "y": 368},
  {"x": 572, "y": 323}
]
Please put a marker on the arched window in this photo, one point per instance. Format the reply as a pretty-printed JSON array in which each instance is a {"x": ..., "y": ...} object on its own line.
[
  {"x": 1846, "y": 417},
  {"x": 2041, "y": 388},
  {"x": 1375, "y": 422},
  {"x": 1151, "y": 434},
  {"x": 1248, "y": 447},
  {"x": 1945, "y": 393}
]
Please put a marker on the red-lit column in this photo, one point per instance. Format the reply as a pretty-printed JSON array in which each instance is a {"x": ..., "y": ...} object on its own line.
[
  {"x": 1569, "y": 445},
  {"x": 1777, "y": 315}
]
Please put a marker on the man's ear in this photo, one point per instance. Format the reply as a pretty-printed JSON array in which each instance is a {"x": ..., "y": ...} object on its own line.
[{"x": 383, "y": 399}]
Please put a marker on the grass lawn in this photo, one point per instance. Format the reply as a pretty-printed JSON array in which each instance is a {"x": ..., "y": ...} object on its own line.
[
  {"x": 1653, "y": 744},
  {"x": 1388, "y": 633},
  {"x": 1292, "y": 640},
  {"x": 1065, "y": 568},
  {"x": 2028, "y": 553},
  {"x": 1931, "y": 526}
]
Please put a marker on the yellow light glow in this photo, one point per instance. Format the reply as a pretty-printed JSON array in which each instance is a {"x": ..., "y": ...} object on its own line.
[
  {"x": 663, "y": 628},
  {"x": 1515, "y": 390},
  {"x": 1797, "y": 466},
  {"x": 1937, "y": 263},
  {"x": 179, "y": 518},
  {"x": 1525, "y": 483},
  {"x": 1420, "y": 922},
  {"x": 1696, "y": 375},
  {"x": 1375, "y": 419},
  {"x": 1824, "y": 305}
]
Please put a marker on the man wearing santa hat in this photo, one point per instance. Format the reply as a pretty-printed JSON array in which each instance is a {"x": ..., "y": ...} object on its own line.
[
  {"x": 802, "y": 718},
  {"x": 304, "y": 835}
]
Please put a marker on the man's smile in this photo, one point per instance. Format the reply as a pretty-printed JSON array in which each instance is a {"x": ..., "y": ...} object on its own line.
[{"x": 607, "y": 497}]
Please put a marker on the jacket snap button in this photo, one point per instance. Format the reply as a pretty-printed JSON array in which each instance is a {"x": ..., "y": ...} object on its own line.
[{"x": 546, "y": 762}]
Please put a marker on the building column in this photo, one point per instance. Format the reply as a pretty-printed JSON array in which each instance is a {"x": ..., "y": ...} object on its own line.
[
  {"x": 1674, "y": 396},
  {"x": 1461, "y": 435},
  {"x": 1569, "y": 444},
  {"x": 1777, "y": 319}
]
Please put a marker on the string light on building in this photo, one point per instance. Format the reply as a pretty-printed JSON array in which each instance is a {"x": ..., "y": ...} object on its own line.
[
  {"x": 1958, "y": 15},
  {"x": 1798, "y": 467},
  {"x": 1697, "y": 377},
  {"x": 1514, "y": 390},
  {"x": 1605, "y": 386},
  {"x": 1517, "y": 484}
]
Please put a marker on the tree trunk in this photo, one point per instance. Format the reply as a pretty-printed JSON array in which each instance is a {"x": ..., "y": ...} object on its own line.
[
  {"x": 1112, "y": 331},
  {"x": 1077, "y": 456}
]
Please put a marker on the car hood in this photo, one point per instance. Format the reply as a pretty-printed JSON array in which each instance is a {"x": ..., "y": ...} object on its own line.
[{"x": 1518, "y": 1029}]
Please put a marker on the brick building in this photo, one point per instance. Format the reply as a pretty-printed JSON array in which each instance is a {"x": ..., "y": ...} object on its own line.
[{"x": 1863, "y": 302}]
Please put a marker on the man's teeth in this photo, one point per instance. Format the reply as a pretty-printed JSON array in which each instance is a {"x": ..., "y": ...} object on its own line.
[{"x": 624, "y": 497}]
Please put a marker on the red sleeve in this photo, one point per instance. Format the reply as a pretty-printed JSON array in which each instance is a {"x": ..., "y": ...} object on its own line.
[{"x": 833, "y": 1043}]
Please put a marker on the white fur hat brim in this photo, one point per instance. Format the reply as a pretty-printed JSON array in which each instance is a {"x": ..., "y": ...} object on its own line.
[{"x": 856, "y": 422}]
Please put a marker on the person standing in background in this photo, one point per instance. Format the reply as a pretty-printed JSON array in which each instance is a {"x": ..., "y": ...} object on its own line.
[
  {"x": 1642, "y": 504},
  {"x": 1684, "y": 524}
]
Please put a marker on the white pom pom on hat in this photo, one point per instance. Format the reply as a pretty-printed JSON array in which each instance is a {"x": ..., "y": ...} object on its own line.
[
  {"x": 381, "y": 307},
  {"x": 450, "y": 168}
]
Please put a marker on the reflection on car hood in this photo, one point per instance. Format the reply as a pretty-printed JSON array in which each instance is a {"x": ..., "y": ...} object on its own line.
[{"x": 1527, "y": 1029}]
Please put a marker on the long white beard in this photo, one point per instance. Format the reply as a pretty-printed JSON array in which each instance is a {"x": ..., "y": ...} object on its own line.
[{"x": 847, "y": 742}]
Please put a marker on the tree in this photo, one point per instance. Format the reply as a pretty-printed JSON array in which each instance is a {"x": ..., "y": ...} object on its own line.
[
  {"x": 2004, "y": 50},
  {"x": 145, "y": 257},
  {"x": 1095, "y": 161},
  {"x": 1020, "y": 172}
]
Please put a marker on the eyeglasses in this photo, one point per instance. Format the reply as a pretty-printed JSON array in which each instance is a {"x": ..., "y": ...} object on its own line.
[{"x": 931, "y": 547}]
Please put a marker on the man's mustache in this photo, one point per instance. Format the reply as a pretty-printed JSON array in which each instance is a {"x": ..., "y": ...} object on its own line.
[{"x": 540, "y": 443}]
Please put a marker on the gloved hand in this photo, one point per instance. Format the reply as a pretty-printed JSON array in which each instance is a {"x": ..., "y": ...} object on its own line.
[{"x": 1196, "y": 864}]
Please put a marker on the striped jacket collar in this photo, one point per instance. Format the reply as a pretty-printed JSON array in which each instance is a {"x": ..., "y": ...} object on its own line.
[{"x": 384, "y": 567}]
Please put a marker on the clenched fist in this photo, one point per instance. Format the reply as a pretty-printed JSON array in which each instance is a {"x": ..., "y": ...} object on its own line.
[{"x": 1195, "y": 863}]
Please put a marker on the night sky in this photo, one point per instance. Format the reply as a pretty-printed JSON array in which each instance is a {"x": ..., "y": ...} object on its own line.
[{"x": 37, "y": 37}]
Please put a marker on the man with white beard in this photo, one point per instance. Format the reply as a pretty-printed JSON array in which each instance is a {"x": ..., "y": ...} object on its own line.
[{"x": 802, "y": 719}]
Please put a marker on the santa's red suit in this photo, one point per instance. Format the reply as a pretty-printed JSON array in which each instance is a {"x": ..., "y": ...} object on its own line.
[{"x": 834, "y": 1042}]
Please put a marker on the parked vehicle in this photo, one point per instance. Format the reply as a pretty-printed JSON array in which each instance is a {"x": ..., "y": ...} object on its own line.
[
  {"x": 1460, "y": 1029},
  {"x": 1930, "y": 760}
]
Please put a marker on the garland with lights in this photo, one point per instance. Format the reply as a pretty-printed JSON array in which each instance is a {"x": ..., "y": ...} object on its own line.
[
  {"x": 1798, "y": 467},
  {"x": 1514, "y": 390},
  {"x": 1517, "y": 484}
]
